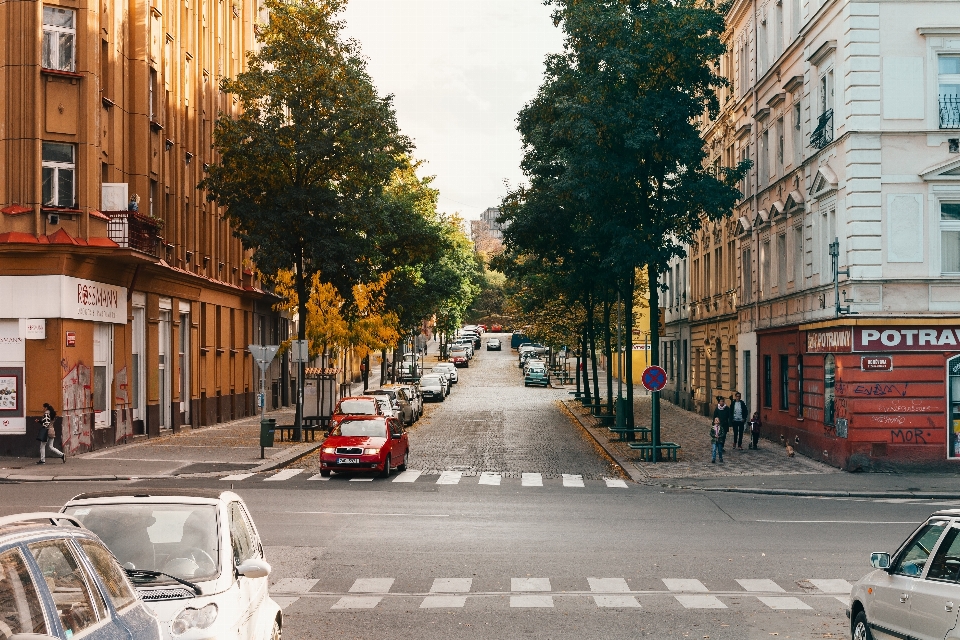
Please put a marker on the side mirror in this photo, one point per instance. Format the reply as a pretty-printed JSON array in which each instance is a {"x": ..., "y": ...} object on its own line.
[
  {"x": 395, "y": 436},
  {"x": 879, "y": 560},
  {"x": 254, "y": 568}
]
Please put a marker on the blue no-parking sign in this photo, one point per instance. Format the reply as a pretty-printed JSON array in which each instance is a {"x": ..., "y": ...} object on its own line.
[{"x": 654, "y": 378}]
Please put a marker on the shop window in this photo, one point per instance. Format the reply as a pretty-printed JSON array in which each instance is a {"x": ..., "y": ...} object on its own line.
[
  {"x": 953, "y": 406},
  {"x": 829, "y": 378},
  {"x": 747, "y": 381},
  {"x": 768, "y": 381},
  {"x": 59, "y": 170},
  {"x": 950, "y": 238},
  {"x": 59, "y": 39},
  {"x": 784, "y": 383}
]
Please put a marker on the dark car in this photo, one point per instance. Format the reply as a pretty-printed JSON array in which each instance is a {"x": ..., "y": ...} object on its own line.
[
  {"x": 400, "y": 403},
  {"x": 365, "y": 443},
  {"x": 458, "y": 356}
]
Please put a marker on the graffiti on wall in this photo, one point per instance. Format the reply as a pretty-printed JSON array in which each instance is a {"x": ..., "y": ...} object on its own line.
[
  {"x": 77, "y": 407},
  {"x": 124, "y": 413}
]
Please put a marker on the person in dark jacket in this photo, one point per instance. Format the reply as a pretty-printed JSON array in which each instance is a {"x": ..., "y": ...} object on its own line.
[
  {"x": 722, "y": 411},
  {"x": 738, "y": 417},
  {"x": 47, "y": 434},
  {"x": 755, "y": 426}
]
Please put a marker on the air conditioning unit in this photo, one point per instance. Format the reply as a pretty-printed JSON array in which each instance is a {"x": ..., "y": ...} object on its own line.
[{"x": 53, "y": 218}]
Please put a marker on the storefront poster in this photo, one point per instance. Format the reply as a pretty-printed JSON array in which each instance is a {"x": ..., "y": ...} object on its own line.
[
  {"x": 12, "y": 417},
  {"x": 953, "y": 407},
  {"x": 829, "y": 341},
  {"x": 8, "y": 393}
]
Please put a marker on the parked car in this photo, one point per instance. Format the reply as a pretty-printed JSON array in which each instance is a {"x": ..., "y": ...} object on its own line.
[
  {"x": 493, "y": 344},
  {"x": 449, "y": 369},
  {"x": 193, "y": 554},
  {"x": 914, "y": 592},
  {"x": 458, "y": 356},
  {"x": 433, "y": 388},
  {"x": 496, "y": 328},
  {"x": 518, "y": 339},
  {"x": 365, "y": 443},
  {"x": 466, "y": 343},
  {"x": 532, "y": 361},
  {"x": 58, "y": 580},
  {"x": 412, "y": 392},
  {"x": 537, "y": 374},
  {"x": 399, "y": 404}
]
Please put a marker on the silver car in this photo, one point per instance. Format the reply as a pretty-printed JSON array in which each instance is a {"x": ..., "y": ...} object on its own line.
[
  {"x": 914, "y": 592},
  {"x": 433, "y": 388},
  {"x": 450, "y": 369}
]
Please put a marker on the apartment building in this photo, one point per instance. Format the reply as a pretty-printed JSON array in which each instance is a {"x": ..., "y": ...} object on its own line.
[
  {"x": 127, "y": 302},
  {"x": 848, "y": 238}
]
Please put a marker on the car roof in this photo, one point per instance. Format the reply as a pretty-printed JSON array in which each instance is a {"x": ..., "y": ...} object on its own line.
[
  {"x": 950, "y": 513},
  {"x": 204, "y": 496},
  {"x": 366, "y": 397},
  {"x": 359, "y": 417}
]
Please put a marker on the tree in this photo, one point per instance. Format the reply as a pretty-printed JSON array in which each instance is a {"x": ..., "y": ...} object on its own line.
[{"x": 302, "y": 168}]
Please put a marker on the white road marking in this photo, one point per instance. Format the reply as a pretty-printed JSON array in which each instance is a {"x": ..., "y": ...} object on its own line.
[
  {"x": 615, "y": 483},
  {"x": 372, "y": 585},
  {"x": 844, "y": 599},
  {"x": 450, "y": 477},
  {"x": 361, "y": 479},
  {"x": 237, "y": 476},
  {"x": 294, "y": 585},
  {"x": 283, "y": 601},
  {"x": 367, "y": 513},
  {"x": 767, "y": 586},
  {"x": 451, "y": 585},
  {"x": 357, "y": 602},
  {"x": 609, "y": 585},
  {"x": 410, "y": 475},
  {"x": 443, "y": 602},
  {"x": 530, "y": 584},
  {"x": 684, "y": 584},
  {"x": 700, "y": 602},
  {"x": 831, "y": 586},
  {"x": 531, "y": 480},
  {"x": 319, "y": 477},
  {"x": 784, "y": 602},
  {"x": 531, "y": 601},
  {"x": 616, "y": 602},
  {"x": 839, "y": 521},
  {"x": 492, "y": 479},
  {"x": 570, "y": 480},
  {"x": 286, "y": 474}
]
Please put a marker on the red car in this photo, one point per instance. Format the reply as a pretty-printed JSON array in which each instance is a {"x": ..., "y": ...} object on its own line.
[
  {"x": 365, "y": 443},
  {"x": 354, "y": 406}
]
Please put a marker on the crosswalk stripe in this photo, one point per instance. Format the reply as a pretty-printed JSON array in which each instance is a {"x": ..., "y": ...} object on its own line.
[
  {"x": 294, "y": 585},
  {"x": 779, "y": 602},
  {"x": 616, "y": 602},
  {"x": 831, "y": 586},
  {"x": 284, "y": 601},
  {"x": 371, "y": 585},
  {"x": 684, "y": 584},
  {"x": 530, "y": 584},
  {"x": 615, "y": 483},
  {"x": 237, "y": 476},
  {"x": 609, "y": 585},
  {"x": 357, "y": 602},
  {"x": 451, "y": 585},
  {"x": 766, "y": 586},
  {"x": 319, "y": 477},
  {"x": 531, "y": 601},
  {"x": 410, "y": 475},
  {"x": 361, "y": 479},
  {"x": 286, "y": 474},
  {"x": 844, "y": 599},
  {"x": 443, "y": 602},
  {"x": 450, "y": 477},
  {"x": 531, "y": 480},
  {"x": 492, "y": 479},
  {"x": 571, "y": 480},
  {"x": 700, "y": 602}
]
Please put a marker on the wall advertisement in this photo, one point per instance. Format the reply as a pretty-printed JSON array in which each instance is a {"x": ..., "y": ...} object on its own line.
[{"x": 907, "y": 338}]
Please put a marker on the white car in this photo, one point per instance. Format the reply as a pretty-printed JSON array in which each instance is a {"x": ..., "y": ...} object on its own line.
[
  {"x": 448, "y": 368},
  {"x": 915, "y": 592},
  {"x": 194, "y": 556},
  {"x": 433, "y": 387}
]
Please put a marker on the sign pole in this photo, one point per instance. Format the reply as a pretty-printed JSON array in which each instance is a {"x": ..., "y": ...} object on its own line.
[{"x": 654, "y": 378}]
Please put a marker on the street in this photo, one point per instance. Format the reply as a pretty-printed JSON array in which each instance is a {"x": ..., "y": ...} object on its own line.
[{"x": 512, "y": 523}]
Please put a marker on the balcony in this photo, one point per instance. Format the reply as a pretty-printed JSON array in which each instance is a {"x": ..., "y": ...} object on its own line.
[
  {"x": 133, "y": 230},
  {"x": 950, "y": 111},
  {"x": 823, "y": 134}
]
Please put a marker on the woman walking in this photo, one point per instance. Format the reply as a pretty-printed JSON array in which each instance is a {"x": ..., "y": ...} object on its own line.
[
  {"x": 716, "y": 439},
  {"x": 47, "y": 434}
]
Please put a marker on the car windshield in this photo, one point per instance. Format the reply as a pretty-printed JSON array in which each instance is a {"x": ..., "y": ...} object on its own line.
[
  {"x": 179, "y": 539},
  {"x": 384, "y": 404},
  {"x": 369, "y": 428},
  {"x": 358, "y": 407},
  {"x": 430, "y": 381}
]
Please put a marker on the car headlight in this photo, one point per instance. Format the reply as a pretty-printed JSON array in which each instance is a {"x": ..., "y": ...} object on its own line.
[
  {"x": 191, "y": 618},
  {"x": 329, "y": 449},
  {"x": 371, "y": 452}
]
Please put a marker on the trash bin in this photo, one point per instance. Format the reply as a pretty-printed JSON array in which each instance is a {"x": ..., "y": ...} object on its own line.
[
  {"x": 267, "y": 428},
  {"x": 621, "y": 411}
]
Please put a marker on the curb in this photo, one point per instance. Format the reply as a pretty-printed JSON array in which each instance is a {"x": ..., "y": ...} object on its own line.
[
  {"x": 624, "y": 465},
  {"x": 287, "y": 458},
  {"x": 920, "y": 495}
]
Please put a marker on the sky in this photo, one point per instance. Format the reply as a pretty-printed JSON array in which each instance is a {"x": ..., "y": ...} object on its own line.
[{"x": 460, "y": 71}]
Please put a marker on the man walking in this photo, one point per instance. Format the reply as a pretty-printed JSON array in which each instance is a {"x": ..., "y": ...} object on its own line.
[
  {"x": 722, "y": 412},
  {"x": 47, "y": 434},
  {"x": 739, "y": 415}
]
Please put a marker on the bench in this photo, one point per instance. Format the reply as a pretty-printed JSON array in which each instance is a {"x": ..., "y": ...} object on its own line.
[
  {"x": 311, "y": 424},
  {"x": 667, "y": 450},
  {"x": 644, "y": 432}
]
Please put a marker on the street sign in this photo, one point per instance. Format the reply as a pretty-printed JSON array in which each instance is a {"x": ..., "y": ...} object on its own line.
[
  {"x": 654, "y": 378},
  {"x": 299, "y": 351},
  {"x": 263, "y": 354}
]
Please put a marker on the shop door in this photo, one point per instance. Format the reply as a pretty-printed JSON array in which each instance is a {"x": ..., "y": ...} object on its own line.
[
  {"x": 102, "y": 373},
  {"x": 184, "y": 362},
  {"x": 164, "y": 372},
  {"x": 139, "y": 399},
  {"x": 953, "y": 407}
]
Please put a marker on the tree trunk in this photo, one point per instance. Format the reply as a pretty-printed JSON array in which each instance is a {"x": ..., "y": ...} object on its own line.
[
  {"x": 383, "y": 367},
  {"x": 628, "y": 345},
  {"x": 608, "y": 352},
  {"x": 593, "y": 350},
  {"x": 583, "y": 364},
  {"x": 301, "y": 335}
]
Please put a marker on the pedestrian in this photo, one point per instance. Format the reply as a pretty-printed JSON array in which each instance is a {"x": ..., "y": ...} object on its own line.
[
  {"x": 47, "y": 434},
  {"x": 755, "y": 426},
  {"x": 715, "y": 442},
  {"x": 738, "y": 417},
  {"x": 722, "y": 412}
]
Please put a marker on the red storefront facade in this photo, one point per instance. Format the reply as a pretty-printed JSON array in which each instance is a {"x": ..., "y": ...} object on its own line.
[{"x": 864, "y": 393}]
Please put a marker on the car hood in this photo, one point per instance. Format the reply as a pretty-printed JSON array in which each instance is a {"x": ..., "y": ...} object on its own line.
[{"x": 354, "y": 441}]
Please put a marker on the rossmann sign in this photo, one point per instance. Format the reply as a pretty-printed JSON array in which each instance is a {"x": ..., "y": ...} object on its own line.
[{"x": 910, "y": 338}]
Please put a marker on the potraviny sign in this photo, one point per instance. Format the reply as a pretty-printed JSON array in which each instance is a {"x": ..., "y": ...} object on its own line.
[{"x": 885, "y": 338}]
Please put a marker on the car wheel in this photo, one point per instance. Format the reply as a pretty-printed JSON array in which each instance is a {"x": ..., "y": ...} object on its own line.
[
  {"x": 406, "y": 458},
  {"x": 325, "y": 473},
  {"x": 275, "y": 634},
  {"x": 386, "y": 468},
  {"x": 861, "y": 630}
]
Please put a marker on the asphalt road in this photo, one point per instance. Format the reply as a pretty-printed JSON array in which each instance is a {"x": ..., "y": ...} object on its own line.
[{"x": 455, "y": 555}]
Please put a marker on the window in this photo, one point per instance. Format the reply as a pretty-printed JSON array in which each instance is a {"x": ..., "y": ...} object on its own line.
[
  {"x": 113, "y": 578},
  {"x": 829, "y": 379},
  {"x": 746, "y": 187},
  {"x": 59, "y": 39},
  {"x": 707, "y": 276},
  {"x": 20, "y": 610},
  {"x": 66, "y": 581},
  {"x": 747, "y": 267},
  {"x": 59, "y": 170},
  {"x": 762, "y": 45},
  {"x": 795, "y": 17},
  {"x": 950, "y": 237},
  {"x": 780, "y": 145},
  {"x": 826, "y": 91},
  {"x": 767, "y": 381},
  {"x": 914, "y": 557},
  {"x": 765, "y": 269},
  {"x": 949, "y": 88},
  {"x": 241, "y": 537},
  {"x": 733, "y": 368},
  {"x": 720, "y": 285},
  {"x": 946, "y": 564},
  {"x": 747, "y": 381},
  {"x": 778, "y": 36},
  {"x": 744, "y": 67},
  {"x": 798, "y": 256},
  {"x": 799, "y": 386},
  {"x": 763, "y": 162},
  {"x": 828, "y": 232},
  {"x": 784, "y": 383},
  {"x": 781, "y": 264},
  {"x": 797, "y": 137},
  {"x": 823, "y": 134}
]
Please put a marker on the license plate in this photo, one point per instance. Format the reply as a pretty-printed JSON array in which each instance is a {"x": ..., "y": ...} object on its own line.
[{"x": 348, "y": 460}]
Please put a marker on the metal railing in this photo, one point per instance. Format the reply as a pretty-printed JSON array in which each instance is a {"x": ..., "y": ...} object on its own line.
[
  {"x": 823, "y": 134},
  {"x": 133, "y": 230},
  {"x": 950, "y": 111}
]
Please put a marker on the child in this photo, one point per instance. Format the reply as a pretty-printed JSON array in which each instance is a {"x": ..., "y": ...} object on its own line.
[
  {"x": 715, "y": 439},
  {"x": 755, "y": 425}
]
